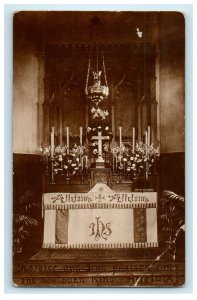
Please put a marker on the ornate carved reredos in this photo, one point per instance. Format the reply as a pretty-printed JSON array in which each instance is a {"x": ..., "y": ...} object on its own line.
[
  {"x": 101, "y": 177},
  {"x": 130, "y": 70}
]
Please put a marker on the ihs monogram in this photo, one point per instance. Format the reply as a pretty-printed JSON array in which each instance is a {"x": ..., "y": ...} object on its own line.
[{"x": 100, "y": 230}]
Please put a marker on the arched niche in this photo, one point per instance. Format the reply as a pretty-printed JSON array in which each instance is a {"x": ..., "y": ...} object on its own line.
[
  {"x": 126, "y": 109},
  {"x": 73, "y": 108}
]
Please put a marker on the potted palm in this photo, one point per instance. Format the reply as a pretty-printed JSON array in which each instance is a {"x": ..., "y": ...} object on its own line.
[
  {"x": 23, "y": 224},
  {"x": 172, "y": 208}
]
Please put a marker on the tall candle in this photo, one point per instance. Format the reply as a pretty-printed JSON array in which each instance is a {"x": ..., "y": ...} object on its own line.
[
  {"x": 81, "y": 135},
  {"x": 67, "y": 138},
  {"x": 52, "y": 141},
  {"x": 133, "y": 136},
  {"x": 120, "y": 132},
  {"x": 86, "y": 161},
  {"x": 148, "y": 142}
]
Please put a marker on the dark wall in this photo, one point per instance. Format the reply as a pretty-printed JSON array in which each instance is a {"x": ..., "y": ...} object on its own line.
[
  {"x": 172, "y": 172},
  {"x": 26, "y": 174}
]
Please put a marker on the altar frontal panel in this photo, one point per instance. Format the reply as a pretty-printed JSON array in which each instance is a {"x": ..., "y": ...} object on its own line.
[{"x": 100, "y": 225}]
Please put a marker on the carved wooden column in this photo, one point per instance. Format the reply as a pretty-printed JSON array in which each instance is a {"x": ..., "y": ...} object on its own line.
[
  {"x": 40, "y": 95},
  {"x": 86, "y": 118},
  {"x": 60, "y": 123},
  {"x": 139, "y": 119},
  {"x": 46, "y": 123},
  {"x": 139, "y": 122},
  {"x": 144, "y": 115},
  {"x": 53, "y": 117},
  {"x": 153, "y": 101},
  {"x": 153, "y": 110},
  {"x": 46, "y": 117},
  {"x": 60, "y": 117},
  {"x": 112, "y": 108}
]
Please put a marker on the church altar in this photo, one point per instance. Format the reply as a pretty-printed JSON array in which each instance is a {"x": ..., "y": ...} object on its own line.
[
  {"x": 100, "y": 219},
  {"x": 105, "y": 155}
]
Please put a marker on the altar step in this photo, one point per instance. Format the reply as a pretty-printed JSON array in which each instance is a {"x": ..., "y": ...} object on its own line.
[
  {"x": 96, "y": 254},
  {"x": 90, "y": 268}
]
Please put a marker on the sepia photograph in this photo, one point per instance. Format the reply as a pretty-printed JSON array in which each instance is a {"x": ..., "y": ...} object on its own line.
[{"x": 98, "y": 149}]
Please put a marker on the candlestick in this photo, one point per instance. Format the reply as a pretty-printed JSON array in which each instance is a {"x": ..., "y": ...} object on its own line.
[
  {"x": 133, "y": 147},
  {"x": 86, "y": 161},
  {"x": 81, "y": 135},
  {"x": 47, "y": 164},
  {"x": 82, "y": 162},
  {"x": 148, "y": 141},
  {"x": 147, "y": 167},
  {"x": 52, "y": 171},
  {"x": 51, "y": 144},
  {"x": 67, "y": 139},
  {"x": 120, "y": 132}
]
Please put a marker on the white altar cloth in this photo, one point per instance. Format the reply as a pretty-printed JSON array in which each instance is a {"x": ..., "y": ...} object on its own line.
[{"x": 100, "y": 220}]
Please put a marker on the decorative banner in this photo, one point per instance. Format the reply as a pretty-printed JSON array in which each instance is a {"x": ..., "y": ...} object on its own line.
[
  {"x": 99, "y": 200},
  {"x": 117, "y": 220}
]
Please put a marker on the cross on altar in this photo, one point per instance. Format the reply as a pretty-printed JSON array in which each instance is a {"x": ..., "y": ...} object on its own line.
[{"x": 100, "y": 138}]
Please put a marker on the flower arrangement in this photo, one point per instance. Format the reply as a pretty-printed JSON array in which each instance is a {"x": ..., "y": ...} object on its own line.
[
  {"x": 65, "y": 160},
  {"x": 137, "y": 162},
  {"x": 45, "y": 151},
  {"x": 99, "y": 113}
]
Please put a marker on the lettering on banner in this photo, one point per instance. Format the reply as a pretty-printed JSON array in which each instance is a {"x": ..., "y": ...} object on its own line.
[
  {"x": 59, "y": 197},
  {"x": 66, "y": 198},
  {"x": 100, "y": 230},
  {"x": 126, "y": 197}
]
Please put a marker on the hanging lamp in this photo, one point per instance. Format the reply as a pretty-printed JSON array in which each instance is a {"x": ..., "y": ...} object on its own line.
[{"x": 99, "y": 90}]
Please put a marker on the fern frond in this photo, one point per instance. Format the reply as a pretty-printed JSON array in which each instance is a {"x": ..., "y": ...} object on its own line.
[{"x": 173, "y": 196}]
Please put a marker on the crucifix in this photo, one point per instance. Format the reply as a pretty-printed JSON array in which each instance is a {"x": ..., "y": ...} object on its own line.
[{"x": 100, "y": 138}]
